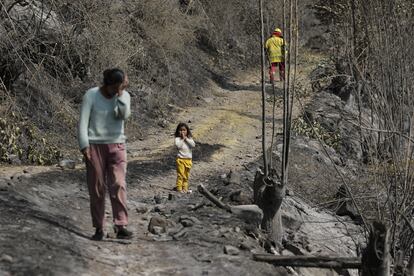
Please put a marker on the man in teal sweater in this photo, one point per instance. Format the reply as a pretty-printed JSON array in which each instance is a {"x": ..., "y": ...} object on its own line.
[{"x": 102, "y": 142}]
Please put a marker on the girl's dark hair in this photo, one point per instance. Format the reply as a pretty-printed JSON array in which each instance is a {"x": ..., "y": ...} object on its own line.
[
  {"x": 113, "y": 76},
  {"x": 180, "y": 125}
]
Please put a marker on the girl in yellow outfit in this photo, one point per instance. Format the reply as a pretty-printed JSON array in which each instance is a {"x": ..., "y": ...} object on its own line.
[{"x": 184, "y": 144}]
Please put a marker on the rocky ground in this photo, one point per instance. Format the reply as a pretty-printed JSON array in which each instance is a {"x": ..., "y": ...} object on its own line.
[{"x": 45, "y": 221}]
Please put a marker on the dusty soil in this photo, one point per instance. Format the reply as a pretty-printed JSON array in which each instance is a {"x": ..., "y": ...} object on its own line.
[{"x": 45, "y": 221}]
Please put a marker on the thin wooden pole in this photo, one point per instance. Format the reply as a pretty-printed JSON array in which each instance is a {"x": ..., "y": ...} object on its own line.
[
  {"x": 310, "y": 261},
  {"x": 285, "y": 100},
  {"x": 263, "y": 61}
]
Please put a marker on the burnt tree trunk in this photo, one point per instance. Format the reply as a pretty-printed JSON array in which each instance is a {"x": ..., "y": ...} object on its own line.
[
  {"x": 410, "y": 268},
  {"x": 376, "y": 256},
  {"x": 268, "y": 195}
]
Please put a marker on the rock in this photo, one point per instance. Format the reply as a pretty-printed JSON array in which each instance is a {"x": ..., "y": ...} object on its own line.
[
  {"x": 208, "y": 100},
  {"x": 157, "y": 230},
  {"x": 334, "y": 116},
  {"x": 246, "y": 246},
  {"x": 141, "y": 209},
  {"x": 28, "y": 170},
  {"x": 159, "y": 209},
  {"x": 14, "y": 159},
  {"x": 180, "y": 234},
  {"x": 240, "y": 198},
  {"x": 251, "y": 214},
  {"x": 162, "y": 238},
  {"x": 6, "y": 258},
  {"x": 231, "y": 250},
  {"x": 67, "y": 164},
  {"x": 158, "y": 199},
  {"x": 232, "y": 178},
  {"x": 159, "y": 222},
  {"x": 171, "y": 196},
  {"x": 289, "y": 192},
  {"x": 188, "y": 221},
  {"x": 291, "y": 219},
  {"x": 345, "y": 206}
]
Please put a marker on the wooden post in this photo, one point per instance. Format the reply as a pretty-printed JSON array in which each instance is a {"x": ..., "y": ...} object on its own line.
[
  {"x": 310, "y": 261},
  {"x": 376, "y": 256}
]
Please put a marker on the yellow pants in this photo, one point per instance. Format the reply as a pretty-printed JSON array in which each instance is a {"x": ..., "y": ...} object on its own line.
[{"x": 183, "y": 173}]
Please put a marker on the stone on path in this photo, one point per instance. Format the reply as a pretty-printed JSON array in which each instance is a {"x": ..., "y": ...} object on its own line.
[
  {"x": 231, "y": 250},
  {"x": 141, "y": 208},
  {"x": 6, "y": 258},
  {"x": 158, "y": 225},
  {"x": 251, "y": 214},
  {"x": 188, "y": 221},
  {"x": 232, "y": 178},
  {"x": 67, "y": 164}
]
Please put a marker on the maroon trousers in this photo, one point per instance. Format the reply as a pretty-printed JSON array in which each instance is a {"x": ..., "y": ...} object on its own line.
[
  {"x": 106, "y": 171},
  {"x": 272, "y": 70}
]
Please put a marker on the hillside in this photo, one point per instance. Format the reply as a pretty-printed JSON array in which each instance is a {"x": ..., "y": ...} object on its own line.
[
  {"x": 344, "y": 198},
  {"x": 52, "y": 51}
]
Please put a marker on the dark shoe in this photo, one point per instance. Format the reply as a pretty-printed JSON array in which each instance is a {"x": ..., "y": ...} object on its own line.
[
  {"x": 123, "y": 233},
  {"x": 99, "y": 234}
]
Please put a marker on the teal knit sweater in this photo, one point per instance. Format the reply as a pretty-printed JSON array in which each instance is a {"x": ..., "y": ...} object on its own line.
[{"x": 101, "y": 119}]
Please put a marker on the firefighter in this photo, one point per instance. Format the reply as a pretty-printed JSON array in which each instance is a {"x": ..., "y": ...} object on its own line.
[{"x": 275, "y": 47}]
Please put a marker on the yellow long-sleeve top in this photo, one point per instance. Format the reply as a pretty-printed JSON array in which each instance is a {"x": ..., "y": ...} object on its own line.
[{"x": 274, "y": 47}]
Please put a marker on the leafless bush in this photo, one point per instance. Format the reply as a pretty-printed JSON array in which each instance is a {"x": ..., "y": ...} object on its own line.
[
  {"x": 51, "y": 51},
  {"x": 375, "y": 38}
]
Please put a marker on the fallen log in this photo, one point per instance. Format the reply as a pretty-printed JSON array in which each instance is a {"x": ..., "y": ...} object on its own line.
[
  {"x": 310, "y": 261},
  {"x": 251, "y": 214},
  {"x": 212, "y": 198}
]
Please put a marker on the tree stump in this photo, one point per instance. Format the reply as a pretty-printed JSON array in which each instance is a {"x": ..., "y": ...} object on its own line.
[
  {"x": 376, "y": 256},
  {"x": 268, "y": 195},
  {"x": 410, "y": 268}
]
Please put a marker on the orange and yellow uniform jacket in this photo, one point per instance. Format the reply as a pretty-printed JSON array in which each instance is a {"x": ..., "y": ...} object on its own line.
[{"x": 274, "y": 46}]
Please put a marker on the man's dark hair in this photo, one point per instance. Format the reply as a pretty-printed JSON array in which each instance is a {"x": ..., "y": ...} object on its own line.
[{"x": 113, "y": 76}]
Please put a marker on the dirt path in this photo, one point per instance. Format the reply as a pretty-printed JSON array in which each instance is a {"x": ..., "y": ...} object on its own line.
[
  {"x": 45, "y": 221},
  {"x": 45, "y": 218},
  {"x": 226, "y": 128}
]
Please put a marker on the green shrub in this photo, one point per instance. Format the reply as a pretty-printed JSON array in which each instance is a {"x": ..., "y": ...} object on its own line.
[
  {"x": 21, "y": 139},
  {"x": 316, "y": 131}
]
